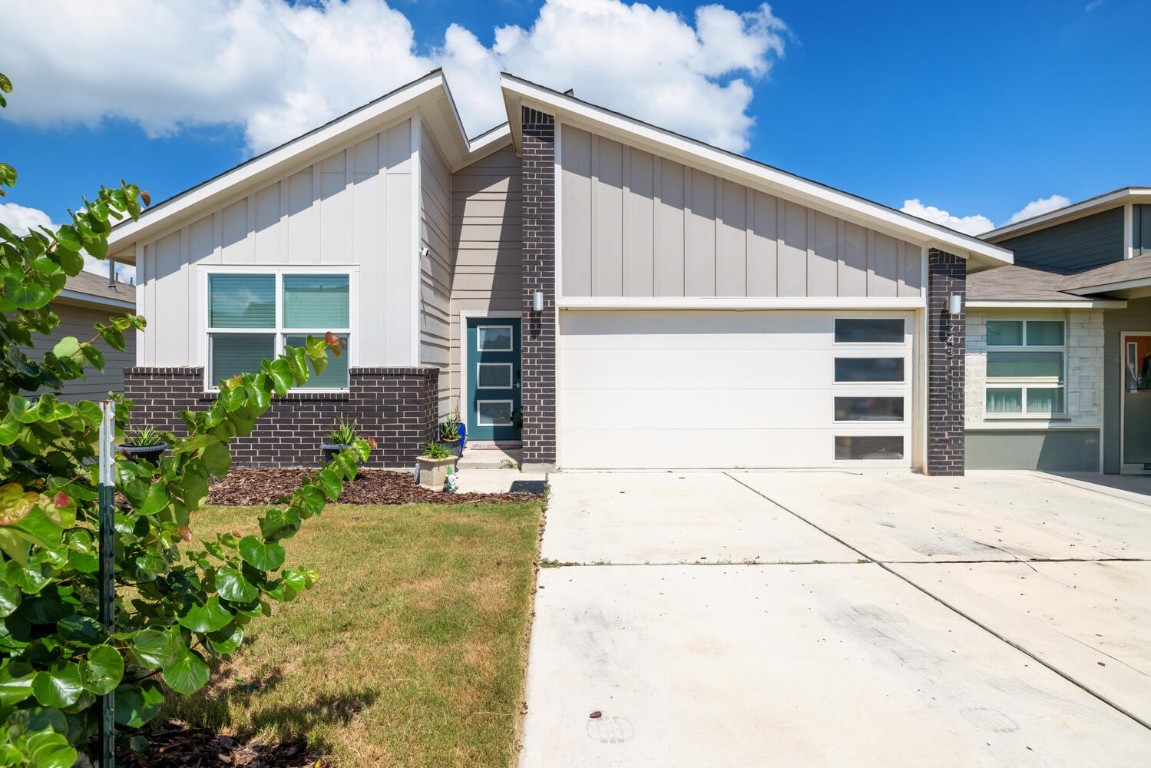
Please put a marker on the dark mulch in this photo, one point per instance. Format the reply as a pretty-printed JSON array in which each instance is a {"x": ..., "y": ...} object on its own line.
[
  {"x": 247, "y": 487},
  {"x": 177, "y": 745}
]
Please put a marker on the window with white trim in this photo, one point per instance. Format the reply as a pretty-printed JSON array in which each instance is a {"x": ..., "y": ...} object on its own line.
[
  {"x": 252, "y": 316},
  {"x": 1026, "y": 367}
]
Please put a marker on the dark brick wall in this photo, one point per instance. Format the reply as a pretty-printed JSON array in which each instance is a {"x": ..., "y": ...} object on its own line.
[
  {"x": 947, "y": 338},
  {"x": 396, "y": 406},
  {"x": 539, "y": 274}
]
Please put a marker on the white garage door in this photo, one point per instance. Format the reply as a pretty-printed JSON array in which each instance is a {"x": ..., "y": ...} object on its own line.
[{"x": 734, "y": 389}]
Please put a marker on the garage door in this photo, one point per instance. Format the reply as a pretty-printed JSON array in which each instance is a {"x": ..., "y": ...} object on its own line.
[{"x": 734, "y": 389}]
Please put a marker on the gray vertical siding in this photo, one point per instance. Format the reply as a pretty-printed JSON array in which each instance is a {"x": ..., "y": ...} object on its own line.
[
  {"x": 1136, "y": 317},
  {"x": 486, "y": 235},
  {"x": 78, "y": 321},
  {"x": 436, "y": 267},
  {"x": 1080, "y": 244},
  {"x": 636, "y": 225}
]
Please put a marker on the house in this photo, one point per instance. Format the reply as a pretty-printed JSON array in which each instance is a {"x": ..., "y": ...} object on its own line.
[
  {"x": 1059, "y": 343},
  {"x": 636, "y": 298},
  {"x": 88, "y": 299}
]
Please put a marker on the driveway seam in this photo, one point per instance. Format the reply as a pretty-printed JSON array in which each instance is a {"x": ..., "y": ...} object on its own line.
[{"x": 1081, "y": 686}]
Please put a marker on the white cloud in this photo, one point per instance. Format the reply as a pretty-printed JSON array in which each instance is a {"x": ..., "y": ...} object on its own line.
[
  {"x": 1039, "y": 207},
  {"x": 279, "y": 70},
  {"x": 22, "y": 220},
  {"x": 977, "y": 224},
  {"x": 969, "y": 225}
]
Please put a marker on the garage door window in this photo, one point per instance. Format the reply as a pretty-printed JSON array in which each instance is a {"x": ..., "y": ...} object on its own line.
[
  {"x": 857, "y": 330},
  {"x": 869, "y": 409},
  {"x": 870, "y": 447},
  {"x": 868, "y": 369}
]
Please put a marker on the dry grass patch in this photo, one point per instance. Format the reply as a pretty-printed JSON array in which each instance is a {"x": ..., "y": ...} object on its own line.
[{"x": 409, "y": 652}]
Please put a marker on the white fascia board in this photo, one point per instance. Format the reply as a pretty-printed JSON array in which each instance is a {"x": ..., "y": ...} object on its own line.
[
  {"x": 87, "y": 299},
  {"x": 692, "y": 152},
  {"x": 487, "y": 143},
  {"x": 679, "y": 303},
  {"x": 1125, "y": 285},
  {"x": 1070, "y": 212},
  {"x": 300, "y": 151},
  {"x": 1085, "y": 304}
]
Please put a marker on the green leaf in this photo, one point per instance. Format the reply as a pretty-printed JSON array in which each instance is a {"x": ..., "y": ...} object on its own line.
[
  {"x": 58, "y": 686},
  {"x": 13, "y": 690},
  {"x": 136, "y": 705},
  {"x": 9, "y": 599},
  {"x": 188, "y": 673},
  {"x": 265, "y": 557},
  {"x": 227, "y": 640},
  {"x": 80, "y": 629},
  {"x": 69, "y": 237},
  {"x": 154, "y": 648},
  {"x": 102, "y": 670},
  {"x": 281, "y": 375},
  {"x": 217, "y": 458},
  {"x": 208, "y": 617},
  {"x": 232, "y": 585},
  {"x": 156, "y": 500},
  {"x": 49, "y": 749},
  {"x": 331, "y": 483},
  {"x": 277, "y": 524},
  {"x": 9, "y": 430}
]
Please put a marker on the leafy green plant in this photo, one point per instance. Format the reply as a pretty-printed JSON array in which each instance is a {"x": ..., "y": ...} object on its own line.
[
  {"x": 434, "y": 450},
  {"x": 450, "y": 431},
  {"x": 142, "y": 437},
  {"x": 344, "y": 432},
  {"x": 186, "y": 604}
]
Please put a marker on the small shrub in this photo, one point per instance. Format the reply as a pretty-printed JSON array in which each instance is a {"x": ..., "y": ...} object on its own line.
[
  {"x": 142, "y": 437},
  {"x": 434, "y": 450},
  {"x": 344, "y": 432}
]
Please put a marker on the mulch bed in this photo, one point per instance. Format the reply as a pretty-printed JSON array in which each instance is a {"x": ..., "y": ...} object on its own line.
[
  {"x": 249, "y": 487},
  {"x": 178, "y": 745}
]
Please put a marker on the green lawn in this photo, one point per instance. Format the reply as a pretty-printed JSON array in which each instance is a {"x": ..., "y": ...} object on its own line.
[{"x": 411, "y": 649}]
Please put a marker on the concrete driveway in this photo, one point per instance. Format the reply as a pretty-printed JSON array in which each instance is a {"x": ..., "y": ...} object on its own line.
[{"x": 832, "y": 618}]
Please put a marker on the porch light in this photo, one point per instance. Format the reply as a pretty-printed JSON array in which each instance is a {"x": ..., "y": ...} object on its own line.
[
  {"x": 538, "y": 301},
  {"x": 955, "y": 306}
]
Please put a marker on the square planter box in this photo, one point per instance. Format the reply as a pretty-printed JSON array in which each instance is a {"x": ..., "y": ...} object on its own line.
[{"x": 433, "y": 472}]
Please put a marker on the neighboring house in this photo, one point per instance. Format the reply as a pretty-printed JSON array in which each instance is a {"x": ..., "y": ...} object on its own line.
[
  {"x": 640, "y": 299},
  {"x": 88, "y": 299},
  {"x": 1059, "y": 344}
]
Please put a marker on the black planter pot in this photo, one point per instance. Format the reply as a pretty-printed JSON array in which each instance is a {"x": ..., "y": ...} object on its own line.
[
  {"x": 148, "y": 453},
  {"x": 330, "y": 450}
]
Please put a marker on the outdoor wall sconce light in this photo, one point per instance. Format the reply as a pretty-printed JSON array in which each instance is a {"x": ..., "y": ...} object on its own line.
[
  {"x": 955, "y": 306},
  {"x": 538, "y": 301}
]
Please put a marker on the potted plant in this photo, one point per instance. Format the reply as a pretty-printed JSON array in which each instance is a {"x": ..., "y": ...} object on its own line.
[
  {"x": 344, "y": 433},
  {"x": 434, "y": 466},
  {"x": 453, "y": 433},
  {"x": 144, "y": 443}
]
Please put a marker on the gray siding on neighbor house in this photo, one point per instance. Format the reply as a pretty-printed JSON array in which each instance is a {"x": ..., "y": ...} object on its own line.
[
  {"x": 78, "y": 321},
  {"x": 1080, "y": 244},
  {"x": 635, "y": 224},
  {"x": 436, "y": 267},
  {"x": 486, "y": 233},
  {"x": 1047, "y": 450},
  {"x": 1141, "y": 229},
  {"x": 1136, "y": 318}
]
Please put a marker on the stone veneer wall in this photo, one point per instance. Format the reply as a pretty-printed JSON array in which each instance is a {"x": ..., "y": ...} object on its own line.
[
  {"x": 538, "y": 264},
  {"x": 946, "y": 275},
  {"x": 396, "y": 406}
]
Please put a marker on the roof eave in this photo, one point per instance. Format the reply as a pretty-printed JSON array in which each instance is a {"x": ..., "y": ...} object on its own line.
[
  {"x": 1079, "y": 210},
  {"x": 518, "y": 92},
  {"x": 1053, "y": 304}
]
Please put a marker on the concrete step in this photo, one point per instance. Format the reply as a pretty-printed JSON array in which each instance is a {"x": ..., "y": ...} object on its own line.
[{"x": 489, "y": 456}]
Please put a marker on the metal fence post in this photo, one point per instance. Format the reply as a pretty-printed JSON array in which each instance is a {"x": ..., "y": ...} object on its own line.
[{"x": 107, "y": 488}]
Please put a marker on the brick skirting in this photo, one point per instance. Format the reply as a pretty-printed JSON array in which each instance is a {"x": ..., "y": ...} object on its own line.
[
  {"x": 947, "y": 339},
  {"x": 396, "y": 406}
]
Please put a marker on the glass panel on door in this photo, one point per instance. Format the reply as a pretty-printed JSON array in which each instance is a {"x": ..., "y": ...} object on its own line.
[{"x": 1137, "y": 403}]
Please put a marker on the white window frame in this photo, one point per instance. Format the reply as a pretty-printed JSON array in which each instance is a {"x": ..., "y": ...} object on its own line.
[
  {"x": 511, "y": 375},
  {"x": 479, "y": 338},
  {"x": 511, "y": 413},
  {"x": 348, "y": 334},
  {"x": 1027, "y": 383}
]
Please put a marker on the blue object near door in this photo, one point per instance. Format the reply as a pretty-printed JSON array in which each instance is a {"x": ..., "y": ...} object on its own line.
[{"x": 493, "y": 396}]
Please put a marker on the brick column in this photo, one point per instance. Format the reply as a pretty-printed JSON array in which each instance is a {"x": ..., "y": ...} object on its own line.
[
  {"x": 946, "y": 275},
  {"x": 538, "y": 262}
]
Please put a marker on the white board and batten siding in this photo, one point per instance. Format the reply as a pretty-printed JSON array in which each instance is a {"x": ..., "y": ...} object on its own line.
[
  {"x": 638, "y": 225},
  {"x": 352, "y": 209}
]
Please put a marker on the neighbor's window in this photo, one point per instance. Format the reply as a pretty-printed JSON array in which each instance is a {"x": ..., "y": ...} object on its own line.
[
  {"x": 251, "y": 317},
  {"x": 1025, "y": 367}
]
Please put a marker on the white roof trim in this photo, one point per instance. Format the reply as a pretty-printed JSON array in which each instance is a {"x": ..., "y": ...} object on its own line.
[
  {"x": 99, "y": 301},
  {"x": 1069, "y": 212},
  {"x": 1071, "y": 304},
  {"x": 793, "y": 187},
  {"x": 334, "y": 132},
  {"x": 736, "y": 304},
  {"x": 1124, "y": 285}
]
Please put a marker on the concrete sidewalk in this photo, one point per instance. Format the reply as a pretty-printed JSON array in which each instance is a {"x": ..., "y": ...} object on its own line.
[{"x": 851, "y": 619}]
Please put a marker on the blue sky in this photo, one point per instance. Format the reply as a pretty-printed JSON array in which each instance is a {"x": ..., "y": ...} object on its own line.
[{"x": 974, "y": 110}]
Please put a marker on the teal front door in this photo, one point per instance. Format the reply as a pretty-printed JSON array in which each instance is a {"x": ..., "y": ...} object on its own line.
[{"x": 493, "y": 361}]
